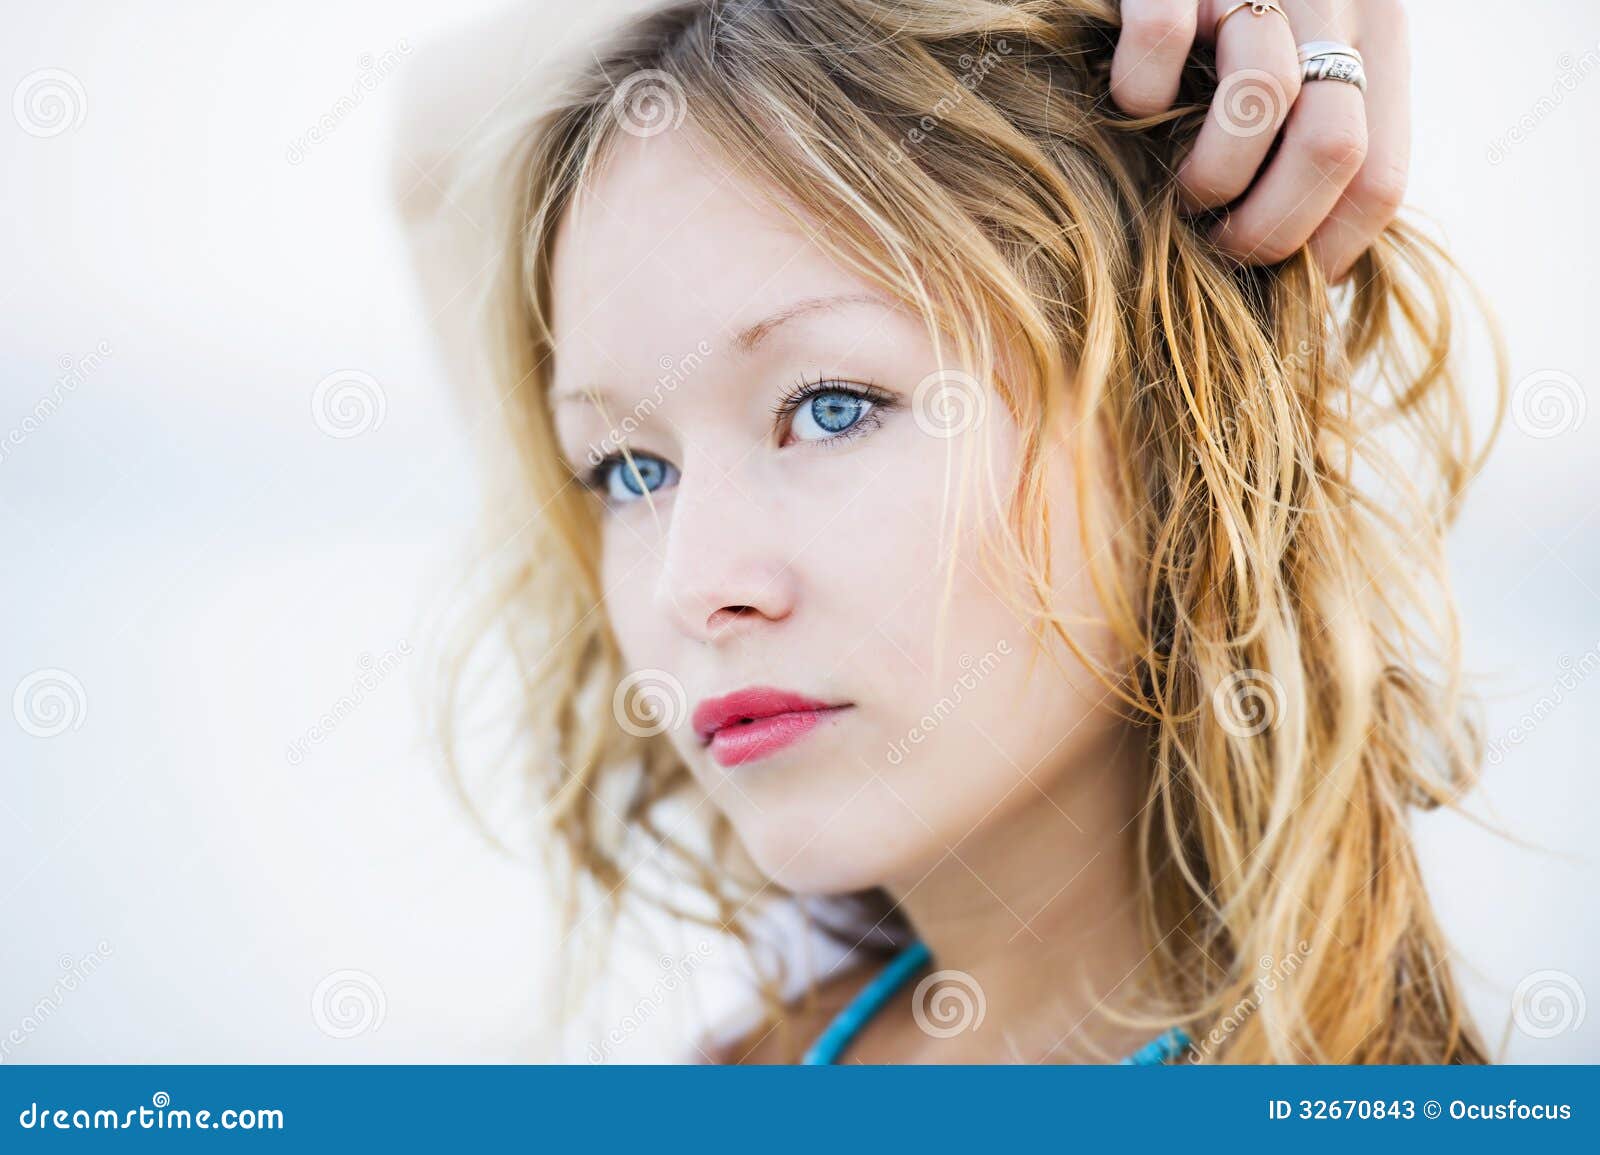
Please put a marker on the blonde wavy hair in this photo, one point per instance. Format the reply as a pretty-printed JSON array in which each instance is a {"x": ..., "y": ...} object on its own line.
[{"x": 1266, "y": 467}]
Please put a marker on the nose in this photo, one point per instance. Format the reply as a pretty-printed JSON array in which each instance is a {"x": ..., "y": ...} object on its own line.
[{"x": 725, "y": 571}]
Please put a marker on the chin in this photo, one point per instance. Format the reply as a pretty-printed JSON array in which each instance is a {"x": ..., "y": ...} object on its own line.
[{"x": 833, "y": 862}]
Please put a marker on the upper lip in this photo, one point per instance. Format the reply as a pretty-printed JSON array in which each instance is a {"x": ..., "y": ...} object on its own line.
[{"x": 752, "y": 702}]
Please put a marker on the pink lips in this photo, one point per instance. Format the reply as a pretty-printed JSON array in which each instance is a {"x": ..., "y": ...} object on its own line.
[{"x": 758, "y": 721}]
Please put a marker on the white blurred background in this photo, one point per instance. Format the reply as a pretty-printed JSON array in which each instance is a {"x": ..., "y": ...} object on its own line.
[{"x": 198, "y": 570}]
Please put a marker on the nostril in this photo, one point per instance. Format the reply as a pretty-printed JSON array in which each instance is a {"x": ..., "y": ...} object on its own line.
[
  {"x": 732, "y": 611},
  {"x": 766, "y": 599}
]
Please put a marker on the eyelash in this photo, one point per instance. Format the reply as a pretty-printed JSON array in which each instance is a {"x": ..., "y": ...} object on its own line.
[
  {"x": 786, "y": 406},
  {"x": 806, "y": 388}
]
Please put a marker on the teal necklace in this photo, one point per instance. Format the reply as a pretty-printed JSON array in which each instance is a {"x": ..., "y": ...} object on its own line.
[{"x": 869, "y": 1000}]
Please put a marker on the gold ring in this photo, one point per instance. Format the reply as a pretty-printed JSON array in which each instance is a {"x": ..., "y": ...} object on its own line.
[{"x": 1256, "y": 9}]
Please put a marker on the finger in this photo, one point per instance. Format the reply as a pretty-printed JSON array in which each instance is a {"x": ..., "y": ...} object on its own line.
[
  {"x": 1258, "y": 79},
  {"x": 1324, "y": 145},
  {"x": 1151, "y": 50},
  {"x": 1373, "y": 197}
]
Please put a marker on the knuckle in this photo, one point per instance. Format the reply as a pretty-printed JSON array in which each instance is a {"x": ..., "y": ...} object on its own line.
[
  {"x": 1162, "y": 21},
  {"x": 1137, "y": 101},
  {"x": 1208, "y": 179},
  {"x": 1271, "y": 250},
  {"x": 1385, "y": 17},
  {"x": 1287, "y": 77},
  {"x": 1209, "y": 189},
  {"x": 1380, "y": 189},
  {"x": 1135, "y": 94},
  {"x": 1338, "y": 149},
  {"x": 1257, "y": 247}
]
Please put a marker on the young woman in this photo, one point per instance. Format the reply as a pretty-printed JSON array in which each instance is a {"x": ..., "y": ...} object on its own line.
[{"x": 932, "y": 520}]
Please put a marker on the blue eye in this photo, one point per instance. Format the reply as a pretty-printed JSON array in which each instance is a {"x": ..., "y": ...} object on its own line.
[
  {"x": 816, "y": 412},
  {"x": 617, "y": 477},
  {"x": 828, "y": 414}
]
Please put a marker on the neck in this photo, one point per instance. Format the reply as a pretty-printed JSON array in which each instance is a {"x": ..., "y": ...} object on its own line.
[{"x": 1038, "y": 907}]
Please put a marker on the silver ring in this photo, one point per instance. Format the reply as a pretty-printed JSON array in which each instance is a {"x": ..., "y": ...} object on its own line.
[
  {"x": 1323, "y": 47},
  {"x": 1334, "y": 66}
]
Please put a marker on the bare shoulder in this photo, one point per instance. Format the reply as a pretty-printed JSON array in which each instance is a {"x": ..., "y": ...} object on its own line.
[{"x": 783, "y": 1040}]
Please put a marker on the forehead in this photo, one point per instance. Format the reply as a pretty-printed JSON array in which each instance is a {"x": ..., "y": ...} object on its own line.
[{"x": 667, "y": 246}]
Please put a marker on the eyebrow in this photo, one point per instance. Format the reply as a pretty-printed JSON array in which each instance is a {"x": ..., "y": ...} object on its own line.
[
  {"x": 749, "y": 338},
  {"x": 752, "y": 335}
]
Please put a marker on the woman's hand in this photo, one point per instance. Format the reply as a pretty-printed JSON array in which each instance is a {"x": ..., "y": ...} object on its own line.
[{"x": 1340, "y": 173}]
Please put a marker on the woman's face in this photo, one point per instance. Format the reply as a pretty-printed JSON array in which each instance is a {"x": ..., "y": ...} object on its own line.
[{"x": 778, "y": 596}]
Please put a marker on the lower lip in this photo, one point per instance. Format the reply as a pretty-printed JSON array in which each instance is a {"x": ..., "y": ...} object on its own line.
[{"x": 747, "y": 741}]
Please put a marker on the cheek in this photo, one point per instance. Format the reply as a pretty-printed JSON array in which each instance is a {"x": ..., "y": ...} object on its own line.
[
  {"x": 972, "y": 705},
  {"x": 941, "y": 607},
  {"x": 911, "y": 623},
  {"x": 628, "y": 573}
]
